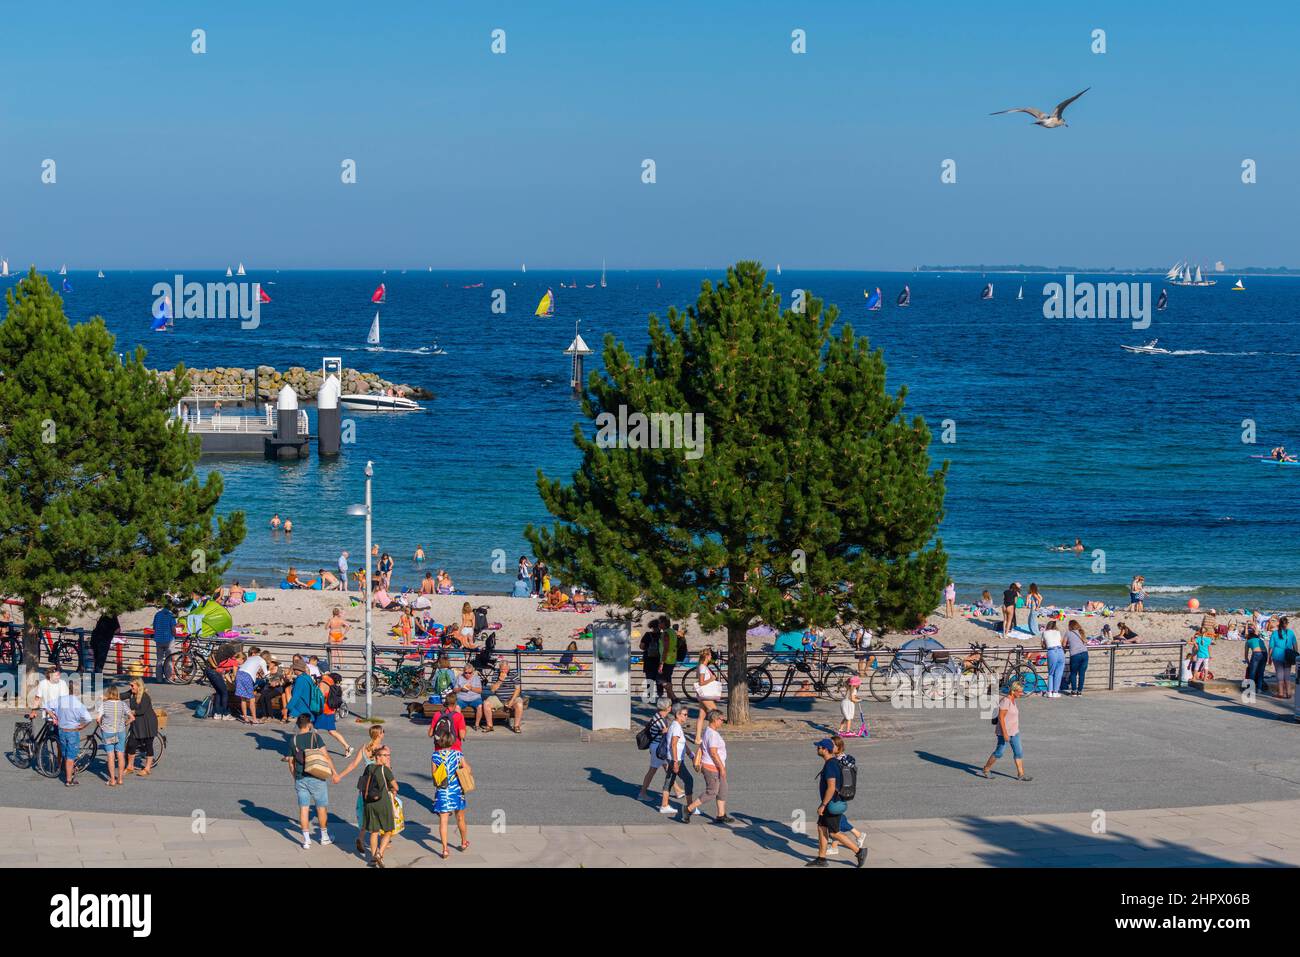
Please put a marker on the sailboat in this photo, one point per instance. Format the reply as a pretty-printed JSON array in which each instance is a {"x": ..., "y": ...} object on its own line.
[
  {"x": 228, "y": 272},
  {"x": 63, "y": 270},
  {"x": 987, "y": 292},
  {"x": 905, "y": 297},
  {"x": 240, "y": 270},
  {"x": 4, "y": 268},
  {"x": 372, "y": 338},
  {"x": 602, "y": 274},
  {"x": 263, "y": 297},
  {"x": 1020, "y": 294},
  {"x": 547, "y": 306},
  {"x": 1186, "y": 278},
  {"x": 873, "y": 300},
  {"x": 658, "y": 284},
  {"x": 67, "y": 286},
  {"x": 523, "y": 267},
  {"x": 1174, "y": 272},
  {"x": 380, "y": 295},
  {"x": 162, "y": 315},
  {"x": 1240, "y": 287},
  {"x": 778, "y": 269},
  {"x": 1163, "y": 300},
  {"x": 101, "y": 274}
]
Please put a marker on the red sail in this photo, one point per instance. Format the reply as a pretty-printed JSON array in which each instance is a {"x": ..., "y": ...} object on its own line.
[
  {"x": 262, "y": 296},
  {"x": 379, "y": 294}
]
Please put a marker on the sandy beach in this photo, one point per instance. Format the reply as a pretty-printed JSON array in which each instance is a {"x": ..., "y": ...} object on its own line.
[{"x": 302, "y": 615}]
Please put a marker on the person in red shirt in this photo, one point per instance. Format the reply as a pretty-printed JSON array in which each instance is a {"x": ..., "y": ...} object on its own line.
[{"x": 450, "y": 713}]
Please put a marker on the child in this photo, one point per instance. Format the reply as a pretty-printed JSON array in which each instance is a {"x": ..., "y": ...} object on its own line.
[
  {"x": 1201, "y": 664},
  {"x": 313, "y": 667},
  {"x": 849, "y": 705},
  {"x": 950, "y": 600},
  {"x": 566, "y": 662}
]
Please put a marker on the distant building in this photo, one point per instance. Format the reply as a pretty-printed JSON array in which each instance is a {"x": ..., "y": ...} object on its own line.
[{"x": 1219, "y": 267}]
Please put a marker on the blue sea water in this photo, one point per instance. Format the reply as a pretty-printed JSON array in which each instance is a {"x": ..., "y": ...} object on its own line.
[{"x": 1059, "y": 433}]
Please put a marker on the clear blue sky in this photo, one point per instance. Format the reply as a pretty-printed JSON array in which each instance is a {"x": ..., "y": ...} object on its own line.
[{"x": 465, "y": 159}]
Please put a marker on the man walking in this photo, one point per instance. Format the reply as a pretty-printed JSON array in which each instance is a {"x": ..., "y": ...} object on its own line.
[
  {"x": 310, "y": 791},
  {"x": 713, "y": 765},
  {"x": 832, "y": 807}
]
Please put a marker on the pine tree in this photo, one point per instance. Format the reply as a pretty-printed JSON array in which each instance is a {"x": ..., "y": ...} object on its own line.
[
  {"x": 812, "y": 501},
  {"x": 100, "y": 505}
]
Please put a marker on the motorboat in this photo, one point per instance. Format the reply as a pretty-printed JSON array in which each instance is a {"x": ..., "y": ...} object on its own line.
[
  {"x": 1147, "y": 349},
  {"x": 378, "y": 402}
]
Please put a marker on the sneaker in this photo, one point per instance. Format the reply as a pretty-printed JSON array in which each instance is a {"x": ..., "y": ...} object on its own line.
[
  {"x": 833, "y": 850},
  {"x": 325, "y": 839},
  {"x": 667, "y": 809},
  {"x": 686, "y": 816},
  {"x": 862, "y": 841},
  {"x": 984, "y": 773},
  {"x": 728, "y": 819},
  {"x": 818, "y": 862},
  {"x": 1024, "y": 777},
  {"x": 306, "y": 842},
  {"x": 697, "y": 813},
  {"x": 862, "y": 857}
]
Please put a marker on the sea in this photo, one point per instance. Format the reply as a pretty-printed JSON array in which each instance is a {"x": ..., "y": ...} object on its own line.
[{"x": 1052, "y": 432}]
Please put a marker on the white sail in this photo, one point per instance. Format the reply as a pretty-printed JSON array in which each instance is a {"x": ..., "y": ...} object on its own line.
[
  {"x": 101, "y": 274},
  {"x": 523, "y": 267},
  {"x": 373, "y": 338},
  {"x": 240, "y": 270},
  {"x": 1198, "y": 274},
  {"x": 63, "y": 270},
  {"x": 1187, "y": 274},
  {"x": 4, "y": 267},
  {"x": 778, "y": 269},
  {"x": 228, "y": 272},
  {"x": 602, "y": 274},
  {"x": 1173, "y": 272}
]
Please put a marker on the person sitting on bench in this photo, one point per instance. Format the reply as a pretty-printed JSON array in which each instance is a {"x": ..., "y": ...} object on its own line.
[
  {"x": 469, "y": 693},
  {"x": 506, "y": 693}
]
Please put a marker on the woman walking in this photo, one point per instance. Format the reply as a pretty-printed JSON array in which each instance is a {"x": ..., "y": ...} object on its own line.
[
  {"x": 379, "y": 814},
  {"x": 1078, "y": 648},
  {"x": 678, "y": 759},
  {"x": 1007, "y": 724},
  {"x": 708, "y": 689},
  {"x": 1282, "y": 649},
  {"x": 144, "y": 728},
  {"x": 365, "y": 757},
  {"x": 450, "y": 796}
]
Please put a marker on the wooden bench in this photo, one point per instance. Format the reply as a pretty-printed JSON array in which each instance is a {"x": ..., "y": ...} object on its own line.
[{"x": 423, "y": 709}]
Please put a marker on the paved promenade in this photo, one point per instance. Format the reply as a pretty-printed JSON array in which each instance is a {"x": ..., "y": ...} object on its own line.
[{"x": 1263, "y": 834}]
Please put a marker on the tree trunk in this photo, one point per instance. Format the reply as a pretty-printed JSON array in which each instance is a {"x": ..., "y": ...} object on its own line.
[
  {"x": 737, "y": 675},
  {"x": 28, "y": 675}
]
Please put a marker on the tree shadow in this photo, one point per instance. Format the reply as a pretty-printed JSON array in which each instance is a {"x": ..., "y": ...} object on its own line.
[{"x": 1018, "y": 843}]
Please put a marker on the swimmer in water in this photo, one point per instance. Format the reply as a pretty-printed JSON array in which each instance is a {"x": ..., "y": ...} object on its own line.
[
  {"x": 275, "y": 521},
  {"x": 419, "y": 553}
]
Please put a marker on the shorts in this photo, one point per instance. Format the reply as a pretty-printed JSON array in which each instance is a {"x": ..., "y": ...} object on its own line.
[
  {"x": 243, "y": 685},
  {"x": 493, "y": 702},
  {"x": 114, "y": 741},
  {"x": 829, "y": 822},
  {"x": 715, "y": 786},
  {"x": 1015, "y": 746},
  {"x": 1134, "y": 597},
  {"x": 324, "y": 722},
  {"x": 469, "y": 700},
  {"x": 70, "y": 744},
  {"x": 312, "y": 791},
  {"x": 1200, "y": 663}
]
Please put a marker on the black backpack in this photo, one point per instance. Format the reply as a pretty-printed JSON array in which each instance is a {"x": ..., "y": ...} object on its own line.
[
  {"x": 370, "y": 788},
  {"x": 445, "y": 717},
  {"x": 480, "y": 619},
  {"x": 648, "y": 735},
  {"x": 848, "y": 777},
  {"x": 334, "y": 699}
]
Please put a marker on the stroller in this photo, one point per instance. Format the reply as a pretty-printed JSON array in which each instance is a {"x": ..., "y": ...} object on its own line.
[{"x": 485, "y": 659}]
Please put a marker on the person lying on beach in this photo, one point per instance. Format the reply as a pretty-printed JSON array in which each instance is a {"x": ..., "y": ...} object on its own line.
[{"x": 555, "y": 600}]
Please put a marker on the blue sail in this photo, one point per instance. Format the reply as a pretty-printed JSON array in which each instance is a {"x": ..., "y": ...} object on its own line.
[
  {"x": 873, "y": 301},
  {"x": 67, "y": 286},
  {"x": 162, "y": 313}
]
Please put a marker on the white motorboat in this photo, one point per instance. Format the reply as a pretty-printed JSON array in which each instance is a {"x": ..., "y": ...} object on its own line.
[
  {"x": 379, "y": 403},
  {"x": 1147, "y": 349}
]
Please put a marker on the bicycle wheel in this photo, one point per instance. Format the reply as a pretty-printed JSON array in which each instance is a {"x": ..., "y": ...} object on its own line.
[
  {"x": 66, "y": 655},
  {"x": 690, "y": 677},
  {"x": 936, "y": 685},
  {"x": 760, "y": 684},
  {"x": 159, "y": 746},
  {"x": 1028, "y": 678},
  {"x": 86, "y": 755},
  {"x": 180, "y": 668},
  {"x": 886, "y": 682},
  {"x": 24, "y": 745},
  {"x": 49, "y": 758},
  {"x": 835, "y": 684}
]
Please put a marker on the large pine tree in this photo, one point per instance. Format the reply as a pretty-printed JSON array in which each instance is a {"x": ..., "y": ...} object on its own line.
[
  {"x": 813, "y": 499},
  {"x": 100, "y": 506}
]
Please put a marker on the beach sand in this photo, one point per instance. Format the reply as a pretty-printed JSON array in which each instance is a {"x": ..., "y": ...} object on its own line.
[{"x": 301, "y": 615}]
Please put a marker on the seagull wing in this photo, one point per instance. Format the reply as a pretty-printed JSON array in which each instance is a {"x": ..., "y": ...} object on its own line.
[
  {"x": 1037, "y": 114},
  {"x": 1060, "y": 107}
]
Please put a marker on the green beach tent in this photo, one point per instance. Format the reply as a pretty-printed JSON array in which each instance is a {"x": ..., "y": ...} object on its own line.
[{"x": 216, "y": 619}]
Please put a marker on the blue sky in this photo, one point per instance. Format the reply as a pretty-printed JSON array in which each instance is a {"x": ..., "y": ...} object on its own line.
[{"x": 830, "y": 159}]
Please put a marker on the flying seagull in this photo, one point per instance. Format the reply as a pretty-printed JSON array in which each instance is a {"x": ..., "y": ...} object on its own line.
[{"x": 1047, "y": 121}]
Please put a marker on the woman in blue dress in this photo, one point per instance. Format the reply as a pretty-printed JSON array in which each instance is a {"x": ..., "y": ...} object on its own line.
[{"x": 450, "y": 796}]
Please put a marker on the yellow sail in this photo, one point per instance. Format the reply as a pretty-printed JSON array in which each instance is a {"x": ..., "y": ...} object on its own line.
[{"x": 547, "y": 306}]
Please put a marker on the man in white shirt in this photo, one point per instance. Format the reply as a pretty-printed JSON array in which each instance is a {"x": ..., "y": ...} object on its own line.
[
  {"x": 254, "y": 667},
  {"x": 51, "y": 688},
  {"x": 343, "y": 569}
]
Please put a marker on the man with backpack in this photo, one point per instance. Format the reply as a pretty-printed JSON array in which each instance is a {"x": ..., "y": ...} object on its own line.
[
  {"x": 312, "y": 770},
  {"x": 305, "y": 698},
  {"x": 831, "y": 792},
  {"x": 672, "y": 649},
  {"x": 648, "y": 739},
  {"x": 650, "y": 662},
  {"x": 331, "y": 688}
]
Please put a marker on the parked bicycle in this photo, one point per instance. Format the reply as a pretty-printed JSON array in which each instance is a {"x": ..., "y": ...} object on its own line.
[
  {"x": 64, "y": 652},
  {"x": 408, "y": 680},
  {"x": 911, "y": 672},
  {"x": 1020, "y": 667},
  {"x": 824, "y": 679},
  {"x": 759, "y": 678},
  {"x": 49, "y": 760},
  {"x": 182, "y": 667}
]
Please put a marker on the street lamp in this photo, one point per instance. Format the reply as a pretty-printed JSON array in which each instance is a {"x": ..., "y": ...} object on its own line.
[{"x": 360, "y": 510}]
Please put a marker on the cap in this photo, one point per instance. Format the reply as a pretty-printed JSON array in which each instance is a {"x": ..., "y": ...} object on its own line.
[{"x": 826, "y": 744}]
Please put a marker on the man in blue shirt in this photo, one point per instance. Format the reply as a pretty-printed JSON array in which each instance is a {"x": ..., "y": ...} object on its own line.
[
  {"x": 164, "y": 630},
  {"x": 832, "y": 807},
  {"x": 70, "y": 715}
]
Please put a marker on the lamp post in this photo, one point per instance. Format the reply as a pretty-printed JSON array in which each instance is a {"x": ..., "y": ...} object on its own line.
[{"x": 365, "y": 510}]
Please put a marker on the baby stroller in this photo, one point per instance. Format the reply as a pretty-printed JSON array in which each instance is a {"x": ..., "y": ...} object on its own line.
[{"x": 485, "y": 657}]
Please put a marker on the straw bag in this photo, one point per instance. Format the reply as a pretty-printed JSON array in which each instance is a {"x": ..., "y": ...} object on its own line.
[{"x": 466, "y": 778}]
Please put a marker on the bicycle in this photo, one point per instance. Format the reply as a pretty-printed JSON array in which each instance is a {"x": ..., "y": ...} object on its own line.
[
  {"x": 827, "y": 681},
  {"x": 65, "y": 652},
  {"x": 1021, "y": 668},
  {"x": 910, "y": 672},
  {"x": 410, "y": 681},
  {"x": 758, "y": 677},
  {"x": 182, "y": 667},
  {"x": 50, "y": 763},
  {"x": 26, "y": 743}
]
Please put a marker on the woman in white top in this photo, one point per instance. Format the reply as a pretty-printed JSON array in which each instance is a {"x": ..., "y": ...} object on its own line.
[
  {"x": 1051, "y": 640},
  {"x": 677, "y": 761},
  {"x": 708, "y": 689}
]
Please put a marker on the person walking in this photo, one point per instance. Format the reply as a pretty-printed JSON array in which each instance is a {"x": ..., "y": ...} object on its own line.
[
  {"x": 1256, "y": 655},
  {"x": 708, "y": 689},
  {"x": 677, "y": 758},
  {"x": 847, "y": 761},
  {"x": 830, "y": 810},
  {"x": 310, "y": 791},
  {"x": 116, "y": 717},
  {"x": 449, "y": 798},
  {"x": 101, "y": 639},
  {"x": 712, "y": 757},
  {"x": 144, "y": 728},
  {"x": 1007, "y": 724},
  {"x": 378, "y": 788},
  {"x": 656, "y": 728},
  {"x": 1051, "y": 641},
  {"x": 1282, "y": 649},
  {"x": 1078, "y": 649},
  {"x": 327, "y": 720},
  {"x": 1009, "y": 609},
  {"x": 365, "y": 757},
  {"x": 671, "y": 650},
  {"x": 164, "y": 631}
]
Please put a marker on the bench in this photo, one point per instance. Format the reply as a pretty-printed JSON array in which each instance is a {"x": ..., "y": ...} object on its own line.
[{"x": 423, "y": 709}]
